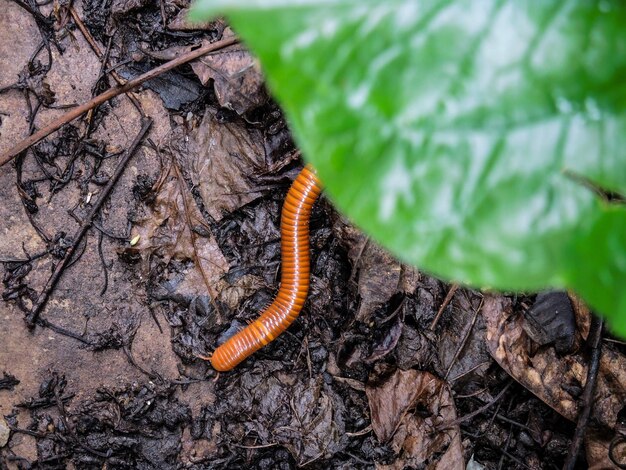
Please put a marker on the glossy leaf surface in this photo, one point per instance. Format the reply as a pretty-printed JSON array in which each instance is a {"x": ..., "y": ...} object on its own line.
[{"x": 476, "y": 140}]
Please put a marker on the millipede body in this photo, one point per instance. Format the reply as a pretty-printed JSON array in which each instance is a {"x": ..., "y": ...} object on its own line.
[{"x": 294, "y": 282}]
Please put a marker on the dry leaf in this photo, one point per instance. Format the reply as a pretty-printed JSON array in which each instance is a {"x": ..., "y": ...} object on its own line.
[
  {"x": 379, "y": 275},
  {"x": 120, "y": 7},
  {"x": 165, "y": 231},
  {"x": 413, "y": 435},
  {"x": 171, "y": 52},
  {"x": 317, "y": 429},
  {"x": 551, "y": 320},
  {"x": 236, "y": 75},
  {"x": 182, "y": 23},
  {"x": 233, "y": 294},
  {"x": 597, "y": 446},
  {"x": 220, "y": 159},
  {"x": 548, "y": 375}
]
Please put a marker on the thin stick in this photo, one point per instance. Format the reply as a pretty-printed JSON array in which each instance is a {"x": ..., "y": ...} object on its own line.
[
  {"x": 467, "y": 417},
  {"x": 33, "y": 315},
  {"x": 94, "y": 46},
  {"x": 595, "y": 340},
  {"x": 109, "y": 94},
  {"x": 445, "y": 303}
]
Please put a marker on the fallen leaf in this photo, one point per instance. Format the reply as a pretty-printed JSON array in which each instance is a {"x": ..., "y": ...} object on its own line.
[
  {"x": 388, "y": 343},
  {"x": 413, "y": 435},
  {"x": 555, "y": 379},
  {"x": 378, "y": 274},
  {"x": 220, "y": 158},
  {"x": 165, "y": 230},
  {"x": 317, "y": 429},
  {"x": 5, "y": 432},
  {"x": 466, "y": 328},
  {"x": 234, "y": 293},
  {"x": 170, "y": 53},
  {"x": 597, "y": 448},
  {"x": 416, "y": 347},
  {"x": 237, "y": 77},
  {"x": 174, "y": 89},
  {"x": 268, "y": 406},
  {"x": 551, "y": 320},
  {"x": 583, "y": 315},
  {"x": 120, "y": 7}
]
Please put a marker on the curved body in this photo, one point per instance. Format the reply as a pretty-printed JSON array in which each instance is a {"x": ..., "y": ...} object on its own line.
[{"x": 294, "y": 282}]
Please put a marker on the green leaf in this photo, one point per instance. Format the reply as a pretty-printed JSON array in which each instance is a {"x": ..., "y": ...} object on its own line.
[{"x": 470, "y": 138}]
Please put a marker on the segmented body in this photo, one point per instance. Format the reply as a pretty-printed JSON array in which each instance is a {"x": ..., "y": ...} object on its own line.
[{"x": 294, "y": 283}]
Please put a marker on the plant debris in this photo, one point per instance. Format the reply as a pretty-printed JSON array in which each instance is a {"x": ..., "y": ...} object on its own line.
[
  {"x": 237, "y": 77},
  {"x": 407, "y": 408},
  {"x": 8, "y": 382},
  {"x": 220, "y": 158}
]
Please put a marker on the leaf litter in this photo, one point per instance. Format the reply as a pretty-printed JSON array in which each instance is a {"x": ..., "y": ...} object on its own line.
[
  {"x": 407, "y": 408},
  {"x": 558, "y": 378}
]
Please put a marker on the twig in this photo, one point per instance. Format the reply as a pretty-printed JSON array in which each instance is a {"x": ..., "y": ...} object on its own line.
[
  {"x": 37, "y": 16},
  {"x": 62, "y": 331},
  {"x": 104, "y": 264},
  {"x": 103, "y": 57},
  {"x": 445, "y": 303},
  {"x": 469, "y": 416},
  {"x": 355, "y": 265},
  {"x": 468, "y": 371},
  {"x": 506, "y": 446},
  {"x": 31, "y": 318},
  {"x": 513, "y": 458},
  {"x": 131, "y": 359},
  {"x": 109, "y": 94},
  {"x": 595, "y": 341}
]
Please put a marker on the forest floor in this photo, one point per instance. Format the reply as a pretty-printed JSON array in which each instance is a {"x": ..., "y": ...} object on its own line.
[{"x": 385, "y": 368}]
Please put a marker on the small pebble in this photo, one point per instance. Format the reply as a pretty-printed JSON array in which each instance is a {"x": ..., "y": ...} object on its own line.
[{"x": 5, "y": 432}]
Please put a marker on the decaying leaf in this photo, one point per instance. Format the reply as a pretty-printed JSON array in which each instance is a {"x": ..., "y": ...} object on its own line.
[
  {"x": 171, "y": 227},
  {"x": 416, "y": 347},
  {"x": 275, "y": 407},
  {"x": 389, "y": 341},
  {"x": 598, "y": 446},
  {"x": 555, "y": 379},
  {"x": 121, "y": 7},
  {"x": 237, "y": 77},
  {"x": 551, "y": 320},
  {"x": 220, "y": 158},
  {"x": 317, "y": 429},
  {"x": 379, "y": 275},
  {"x": 174, "y": 89},
  {"x": 465, "y": 331},
  {"x": 379, "y": 278},
  {"x": 413, "y": 434},
  {"x": 583, "y": 315},
  {"x": 171, "y": 52},
  {"x": 242, "y": 288}
]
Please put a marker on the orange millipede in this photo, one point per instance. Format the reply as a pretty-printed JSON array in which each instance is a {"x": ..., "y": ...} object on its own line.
[{"x": 294, "y": 281}]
